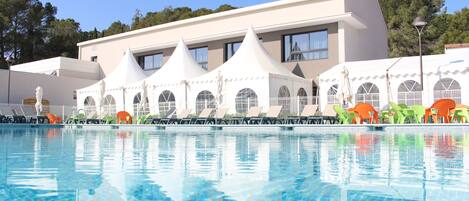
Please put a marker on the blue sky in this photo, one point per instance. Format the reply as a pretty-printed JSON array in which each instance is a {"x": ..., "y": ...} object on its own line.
[{"x": 101, "y": 13}]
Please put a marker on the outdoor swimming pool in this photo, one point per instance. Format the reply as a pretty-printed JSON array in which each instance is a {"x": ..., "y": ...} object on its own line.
[{"x": 65, "y": 164}]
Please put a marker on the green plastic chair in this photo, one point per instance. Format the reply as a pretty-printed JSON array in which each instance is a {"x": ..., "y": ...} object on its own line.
[
  {"x": 387, "y": 116},
  {"x": 109, "y": 119},
  {"x": 343, "y": 116},
  {"x": 398, "y": 113},
  {"x": 408, "y": 112},
  {"x": 419, "y": 113},
  {"x": 461, "y": 115},
  {"x": 143, "y": 119}
]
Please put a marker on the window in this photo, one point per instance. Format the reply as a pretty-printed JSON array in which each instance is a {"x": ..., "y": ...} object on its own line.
[
  {"x": 302, "y": 99},
  {"x": 205, "y": 99},
  {"x": 332, "y": 95},
  {"x": 409, "y": 93},
  {"x": 151, "y": 62},
  {"x": 368, "y": 93},
  {"x": 166, "y": 101},
  {"x": 447, "y": 88},
  {"x": 230, "y": 49},
  {"x": 305, "y": 46},
  {"x": 245, "y": 99},
  {"x": 89, "y": 105},
  {"x": 284, "y": 99},
  {"x": 140, "y": 108},
  {"x": 109, "y": 105},
  {"x": 94, "y": 59},
  {"x": 200, "y": 55},
  {"x": 74, "y": 94}
]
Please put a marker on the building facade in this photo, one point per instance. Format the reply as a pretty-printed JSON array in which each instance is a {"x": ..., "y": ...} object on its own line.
[{"x": 307, "y": 36}]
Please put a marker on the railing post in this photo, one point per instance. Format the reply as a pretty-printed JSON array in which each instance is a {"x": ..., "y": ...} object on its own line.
[
  {"x": 298, "y": 106},
  {"x": 63, "y": 113}
]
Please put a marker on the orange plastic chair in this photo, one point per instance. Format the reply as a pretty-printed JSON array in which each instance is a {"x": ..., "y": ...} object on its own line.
[
  {"x": 54, "y": 119},
  {"x": 366, "y": 111},
  {"x": 124, "y": 117},
  {"x": 441, "y": 108}
]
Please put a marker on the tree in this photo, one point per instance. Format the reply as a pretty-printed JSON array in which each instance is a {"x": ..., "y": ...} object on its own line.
[
  {"x": 63, "y": 36},
  {"x": 170, "y": 14},
  {"x": 116, "y": 28},
  {"x": 403, "y": 38},
  {"x": 458, "y": 28},
  {"x": 225, "y": 7},
  {"x": 4, "y": 24}
]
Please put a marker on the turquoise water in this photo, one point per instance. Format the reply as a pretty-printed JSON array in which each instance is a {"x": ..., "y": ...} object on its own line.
[{"x": 61, "y": 164}]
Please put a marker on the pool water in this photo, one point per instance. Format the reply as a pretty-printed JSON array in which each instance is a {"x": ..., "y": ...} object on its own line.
[{"x": 62, "y": 164}]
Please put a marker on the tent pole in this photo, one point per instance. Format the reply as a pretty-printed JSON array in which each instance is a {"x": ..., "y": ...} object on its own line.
[
  {"x": 9, "y": 85},
  {"x": 123, "y": 96},
  {"x": 185, "y": 94}
]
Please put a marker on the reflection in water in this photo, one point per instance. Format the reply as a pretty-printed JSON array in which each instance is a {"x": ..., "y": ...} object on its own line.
[{"x": 122, "y": 165}]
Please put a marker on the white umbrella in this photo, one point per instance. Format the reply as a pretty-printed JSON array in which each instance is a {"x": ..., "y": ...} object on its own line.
[
  {"x": 388, "y": 86},
  {"x": 220, "y": 89},
  {"x": 143, "y": 98},
  {"x": 102, "y": 90},
  {"x": 39, "y": 94},
  {"x": 388, "y": 80},
  {"x": 346, "y": 91}
]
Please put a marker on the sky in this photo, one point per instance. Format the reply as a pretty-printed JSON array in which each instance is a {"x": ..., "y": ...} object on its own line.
[{"x": 101, "y": 13}]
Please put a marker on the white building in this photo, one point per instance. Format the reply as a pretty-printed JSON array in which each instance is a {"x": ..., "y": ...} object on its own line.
[{"x": 250, "y": 78}]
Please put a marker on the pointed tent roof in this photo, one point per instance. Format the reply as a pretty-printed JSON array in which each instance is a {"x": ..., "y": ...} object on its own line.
[
  {"x": 251, "y": 59},
  {"x": 403, "y": 66},
  {"x": 180, "y": 66},
  {"x": 128, "y": 71}
]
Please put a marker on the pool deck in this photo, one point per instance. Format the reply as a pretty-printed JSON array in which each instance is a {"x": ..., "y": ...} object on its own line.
[{"x": 280, "y": 127}]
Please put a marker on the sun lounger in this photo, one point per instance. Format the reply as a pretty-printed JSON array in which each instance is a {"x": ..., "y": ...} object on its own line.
[
  {"x": 180, "y": 115},
  {"x": 3, "y": 118},
  {"x": 219, "y": 116},
  {"x": 203, "y": 116},
  {"x": 92, "y": 118},
  {"x": 31, "y": 115},
  {"x": 328, "y": 116},
  {"x": 157, "y": 120},
  {"x": 18, "y": 115},
  {"x": 253, "y": 112},
  {"x": 270, "y": 118},
  {"x": 308, "y": 111}
]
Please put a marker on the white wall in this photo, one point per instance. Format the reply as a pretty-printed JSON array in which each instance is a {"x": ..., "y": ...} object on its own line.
[
  {"x": 364, "y": 44},
  {"x": 58, "y": 90},
  {"x": 64, "y": 67},
  {"x": 380, "y": 82}
]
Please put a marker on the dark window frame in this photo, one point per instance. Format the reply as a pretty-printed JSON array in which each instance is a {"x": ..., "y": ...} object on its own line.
[
  {"x": 141, "y": 61},
  {"x": 201, "y": 63},
  {"x": 290, "y": 35},
  {"x": 94, "y": 59},
  {"x": 225, "y": 55}
]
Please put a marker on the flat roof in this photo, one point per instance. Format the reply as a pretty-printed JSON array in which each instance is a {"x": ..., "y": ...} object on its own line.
[
  {"x": 225, "y": 14},
  {"x": 456, "y": 46}
]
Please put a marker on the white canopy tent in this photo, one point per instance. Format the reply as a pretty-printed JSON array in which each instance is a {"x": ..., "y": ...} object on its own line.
[
  {"x": 167, "y": 86},
  {"x": 445, "y": 76},
  {"x": 128, "y": 71},
  {"x": 249, "y": 78}
]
